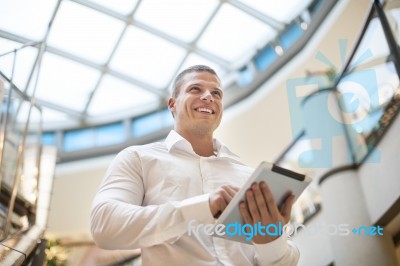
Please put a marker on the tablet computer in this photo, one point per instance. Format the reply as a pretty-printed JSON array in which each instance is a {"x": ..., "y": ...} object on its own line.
[{"x": 281, "y": 182}]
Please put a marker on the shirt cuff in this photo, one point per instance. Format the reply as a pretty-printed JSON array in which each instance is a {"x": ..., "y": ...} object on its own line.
[
  {"x": 197, "y": 208},
  {"x": 272, "y": 251}
]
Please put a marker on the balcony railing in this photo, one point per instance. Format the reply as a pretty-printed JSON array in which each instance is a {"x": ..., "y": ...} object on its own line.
[{"x": 26, "y": 175}]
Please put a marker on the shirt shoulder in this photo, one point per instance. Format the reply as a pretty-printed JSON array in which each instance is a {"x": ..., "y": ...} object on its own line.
[{"x": 146, "y": 149}]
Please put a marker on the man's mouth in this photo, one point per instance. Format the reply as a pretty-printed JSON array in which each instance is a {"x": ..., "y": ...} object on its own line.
[{"x": 205, "y": 110}]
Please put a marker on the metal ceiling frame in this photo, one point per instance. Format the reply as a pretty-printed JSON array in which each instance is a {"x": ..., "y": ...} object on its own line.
[{"x": 130, "y": 21}]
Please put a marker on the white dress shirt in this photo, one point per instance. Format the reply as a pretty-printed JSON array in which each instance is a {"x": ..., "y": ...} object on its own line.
[{"x": 149, "y": 195}]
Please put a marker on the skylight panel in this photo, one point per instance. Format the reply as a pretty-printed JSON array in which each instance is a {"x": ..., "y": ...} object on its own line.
[
  {"x": 50, "y": 115},
  {"x": 27, "y": 19},
  {"x": 147, "y": 57},
  {"x": 65, "y": 83},
  {"x": 195, "y": 59},
  {"x": 181, "y": 19},
  {"x": 115, "y": 95},
  {"x": 283, "y": 11},
  {"x": 121, "y": 6},
  {"x": 84, "y": 32},
  {"x": 234, "y": 34},
  {"x": 25, "y": 59},
  {"x": 23, "y": 114}
]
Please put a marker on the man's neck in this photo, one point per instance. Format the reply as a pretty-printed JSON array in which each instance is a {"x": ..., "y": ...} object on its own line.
[{"x": 202, "y": 144}]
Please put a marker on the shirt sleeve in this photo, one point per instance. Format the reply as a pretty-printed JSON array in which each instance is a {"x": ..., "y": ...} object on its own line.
[
  {"x": 278, "y": 252},
  {"x": 118, "y": 221}
]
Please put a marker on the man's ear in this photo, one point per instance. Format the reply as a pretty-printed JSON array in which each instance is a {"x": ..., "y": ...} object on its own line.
[{"x": 171, "y": 104}]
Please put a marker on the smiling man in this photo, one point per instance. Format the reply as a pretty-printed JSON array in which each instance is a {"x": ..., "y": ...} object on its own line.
[
  {"x": 197, "y": 108},
  {"x": 151, "y": 193}
]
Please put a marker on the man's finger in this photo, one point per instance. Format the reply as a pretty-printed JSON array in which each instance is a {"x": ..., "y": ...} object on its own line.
[
  {"x": 252, "y": 205},
  {"x": 227, "y": 196},
  {"x": 269, "y": 199},
  {"x": 261, "y": 204},
  {"x": 232, "y": 190},
  {"x": 287, "y": 208},
  {"x": 245, "y": 213}
]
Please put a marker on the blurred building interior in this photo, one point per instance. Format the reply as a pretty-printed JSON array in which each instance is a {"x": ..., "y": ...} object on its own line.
[{"x": 312, "y": 86}]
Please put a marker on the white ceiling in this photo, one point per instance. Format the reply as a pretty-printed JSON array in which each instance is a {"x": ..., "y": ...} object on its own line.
[{"x": 108, "y": 57}]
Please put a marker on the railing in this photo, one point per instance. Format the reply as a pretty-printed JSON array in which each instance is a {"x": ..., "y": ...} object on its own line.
[
  {"x": 24, "y": 184},
  {"x": 367, "y": 126}
]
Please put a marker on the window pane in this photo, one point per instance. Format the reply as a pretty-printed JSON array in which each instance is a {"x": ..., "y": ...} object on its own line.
[
  {"x": 147, "y": 57},
  {"x": 393, "y": 16},
  {"x": 284, "y": 11},
  {"x": 49, "y": 138},
  {"x": 265, "y": 57},
  {"x": 84, "y": 32},
  {"x": 290, "y": 35},
  {"x": 110, "y": 134},
  {"x": 115, "y": 95},
  {"x": 181, "y": 19},
  {"x": 28, "y": 19},
  {"x": 151, "y": 123},
  {"x": 246, "y": 76},
  {"x": 233, "y": 34},
  {"x": 195, "y": 59},
  {"x": 363, "y": 92},
  {"x": 78, "y": 140},
  {"x": 50, "y": 115},
  {"x": 23, "y": 65},
  {"x": 370, "y": 48},
  {"x": 65, "y": 82}
]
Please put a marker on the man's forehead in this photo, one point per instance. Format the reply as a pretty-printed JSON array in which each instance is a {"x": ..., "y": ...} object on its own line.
[{"x": 202, "y": 77}]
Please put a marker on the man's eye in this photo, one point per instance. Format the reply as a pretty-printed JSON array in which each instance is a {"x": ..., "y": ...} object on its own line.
[
  {"x": 194, "y": 89},
  {"x": 218, "y": 93}
]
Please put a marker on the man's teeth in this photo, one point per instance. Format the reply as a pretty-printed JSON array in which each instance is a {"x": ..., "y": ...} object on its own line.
[{"x": 205, "y": 110}]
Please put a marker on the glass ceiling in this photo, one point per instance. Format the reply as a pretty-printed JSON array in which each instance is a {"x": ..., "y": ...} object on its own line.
[{"x": 116, "y": 59}]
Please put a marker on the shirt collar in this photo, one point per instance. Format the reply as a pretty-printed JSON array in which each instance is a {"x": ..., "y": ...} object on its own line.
[{"x": 176, "y": 141}]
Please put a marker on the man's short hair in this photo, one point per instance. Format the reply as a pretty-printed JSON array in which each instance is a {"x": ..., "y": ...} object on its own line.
[{"x": 196, "y": 68}]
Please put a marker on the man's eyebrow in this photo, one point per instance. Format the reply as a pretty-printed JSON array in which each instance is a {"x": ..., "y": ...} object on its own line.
[
  {"x": 200, "y": 85},
  {"x": 195, "y": 84}
]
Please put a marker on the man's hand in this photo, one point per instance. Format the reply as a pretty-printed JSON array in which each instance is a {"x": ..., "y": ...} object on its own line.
[
  {"x": 261, "y": 207},
  {"x": 220, "y": 198}
]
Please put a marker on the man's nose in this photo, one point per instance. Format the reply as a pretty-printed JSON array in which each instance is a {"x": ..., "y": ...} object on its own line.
[{"x": 207, "y": 96}]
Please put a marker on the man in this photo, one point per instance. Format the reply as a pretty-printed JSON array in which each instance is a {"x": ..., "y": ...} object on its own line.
[{"x": 152, "y": 193}]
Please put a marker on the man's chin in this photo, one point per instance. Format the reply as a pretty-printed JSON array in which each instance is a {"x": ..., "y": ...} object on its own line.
[{"x": 204, "y": 129}]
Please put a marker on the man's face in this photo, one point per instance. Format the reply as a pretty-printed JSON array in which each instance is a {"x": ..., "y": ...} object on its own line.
[{"x": 198, "y": 107}]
